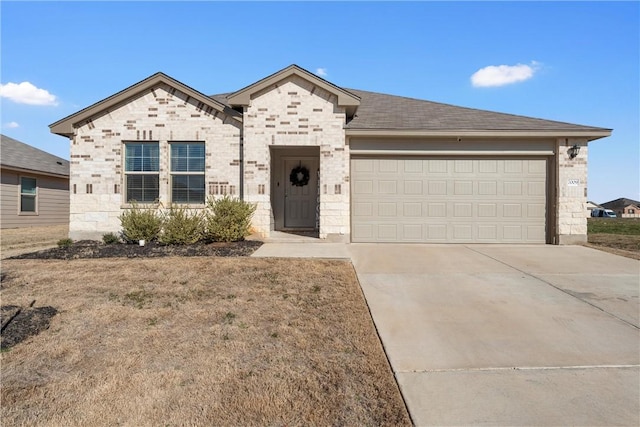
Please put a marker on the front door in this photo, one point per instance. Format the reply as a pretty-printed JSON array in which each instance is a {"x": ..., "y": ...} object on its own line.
[{"x": 300, "y": 194}]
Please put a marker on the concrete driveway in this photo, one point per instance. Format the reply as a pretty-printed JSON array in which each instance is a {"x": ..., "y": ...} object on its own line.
[{"x": 507, "y": 335}]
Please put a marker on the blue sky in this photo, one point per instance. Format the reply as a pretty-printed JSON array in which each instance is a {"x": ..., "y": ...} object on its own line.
[{"x": 568, "y": 61}]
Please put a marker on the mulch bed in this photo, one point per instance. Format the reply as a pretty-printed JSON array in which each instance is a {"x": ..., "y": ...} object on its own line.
[
  {"x": 95, "y": 249},
  {"x": 19, "y": 323}
]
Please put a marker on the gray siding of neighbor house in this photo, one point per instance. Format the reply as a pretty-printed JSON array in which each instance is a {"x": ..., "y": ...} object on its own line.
[{"x": 52, "y": 201}]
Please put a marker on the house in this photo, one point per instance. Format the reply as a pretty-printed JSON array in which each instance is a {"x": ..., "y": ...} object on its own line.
[
  {"x": 624, "y": 208},
  {"x": 35, "y": 186},
  {"x": 353, "y": 165},
  {"x": 591, "y": 206}
]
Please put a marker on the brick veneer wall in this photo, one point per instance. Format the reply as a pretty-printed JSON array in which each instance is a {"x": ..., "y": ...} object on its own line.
[
  {"x": 161, "y": 114},
  {"x": 295, "y": 112}
]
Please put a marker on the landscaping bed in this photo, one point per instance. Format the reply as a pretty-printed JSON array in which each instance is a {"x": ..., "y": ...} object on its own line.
[{"x": 95, "y": 249}]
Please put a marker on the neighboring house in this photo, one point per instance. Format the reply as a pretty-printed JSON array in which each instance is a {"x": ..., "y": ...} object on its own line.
[
  {"x": 35, "y": 186},
  {"x": 352, "y": 165},
  {"x": 624, "y": 208},
  {"x": 591, "y": 206}
]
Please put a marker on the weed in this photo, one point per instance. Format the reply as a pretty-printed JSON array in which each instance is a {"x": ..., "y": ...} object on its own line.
[
  {"x": 315, "y": 289},
  {"x": 274, "y": 335},
  {"x": 65, "y": 243},
  {"x": 110, "y": 238},
  {"x": 231, "y": 296},
  {"x": 138, "y": 298},
  {"x": 153, "y": 321},
  {"x": 228, "y": 318},
  {"x": 225, "y": 337}
]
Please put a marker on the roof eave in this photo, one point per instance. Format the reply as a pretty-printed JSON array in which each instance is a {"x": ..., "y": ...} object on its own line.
[
  {"x": 591, "y": 135},
  {"x": 33, "y": 171},
  {"x": 243, "y": 96},
  {"x": 65, "y": 126}
]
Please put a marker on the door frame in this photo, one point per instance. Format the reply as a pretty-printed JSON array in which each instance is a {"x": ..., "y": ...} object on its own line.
[{"x": 280, "y": 179}]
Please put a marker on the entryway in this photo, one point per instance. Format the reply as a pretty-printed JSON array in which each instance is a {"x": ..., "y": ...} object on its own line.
[{"x": 295, "y": 192}]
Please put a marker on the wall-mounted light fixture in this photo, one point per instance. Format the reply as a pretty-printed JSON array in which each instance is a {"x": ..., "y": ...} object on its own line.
[{"x": 573, "y": 151}]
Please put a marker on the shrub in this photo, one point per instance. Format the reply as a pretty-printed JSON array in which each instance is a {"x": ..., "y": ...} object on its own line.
[
  {"x": 228, "y": 219},
  {"x": 181, "y": 227},
  {"x": 64, "y": 243},
  {"x": 110, "y": 238},
  {"x": 140, "y": 224}
]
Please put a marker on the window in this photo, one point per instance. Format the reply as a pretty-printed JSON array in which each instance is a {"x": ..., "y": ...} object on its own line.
[
  {"x": 142, "y": 167},
  {"x": 27, "y": 194},
  {"x": 187, "y": 172},
  {"x": 632, "y": 211}
]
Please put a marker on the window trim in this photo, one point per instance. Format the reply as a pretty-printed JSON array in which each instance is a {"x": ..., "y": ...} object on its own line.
[
  {"x": 202, "y": 173},
  {"x": 126, "y": 174},
  {"x": 35, "y": 196}
]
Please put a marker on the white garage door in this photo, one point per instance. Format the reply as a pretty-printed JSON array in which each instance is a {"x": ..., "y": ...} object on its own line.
[{"x": 463, "y": 200}]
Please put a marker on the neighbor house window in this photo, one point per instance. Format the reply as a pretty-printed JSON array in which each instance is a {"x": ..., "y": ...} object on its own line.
[
  {"x": 187, "y": 172},
  {"x": 142, "y": 172},
  {"x": 28, "y": 194}
]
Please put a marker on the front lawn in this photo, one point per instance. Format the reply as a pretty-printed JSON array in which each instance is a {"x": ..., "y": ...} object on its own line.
[
  {"x": 618, "y": 235},
  {"x": 195, "y": 341}
]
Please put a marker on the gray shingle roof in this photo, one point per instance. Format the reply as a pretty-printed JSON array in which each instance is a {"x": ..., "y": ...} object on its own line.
[
  {"x": 379, "y": 111},
  {"x": 16, "y": 154},
  {"x": 619, "y": 203}
]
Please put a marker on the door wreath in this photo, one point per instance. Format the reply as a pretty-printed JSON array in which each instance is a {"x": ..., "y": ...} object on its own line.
[{"x": 299, "y": 176}]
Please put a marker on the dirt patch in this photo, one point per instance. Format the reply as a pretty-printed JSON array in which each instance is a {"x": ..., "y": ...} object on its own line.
[
  {"x": 618, "y": 244},
  {"x": 20, "y": 323},
  {"x": 94, "y": 249}
]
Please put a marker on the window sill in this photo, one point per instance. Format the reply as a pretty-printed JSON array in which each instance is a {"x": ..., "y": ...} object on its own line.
[{"x": 28, "y": 214}]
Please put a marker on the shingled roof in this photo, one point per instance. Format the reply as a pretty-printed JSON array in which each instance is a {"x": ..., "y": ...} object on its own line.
[
  {"x": 380, "y": 112},
  {"x": 18, "y": 155}
]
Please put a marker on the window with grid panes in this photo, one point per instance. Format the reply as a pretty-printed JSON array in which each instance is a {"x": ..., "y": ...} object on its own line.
[
  {"x": 187, "y": 172},
  {"x": 142, "y": 172}
]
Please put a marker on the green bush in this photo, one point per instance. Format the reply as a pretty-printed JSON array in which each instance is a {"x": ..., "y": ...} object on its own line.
[
  {"x": 110, "y": 238},
  {"x": 140, "y": 224},
  {"x": 181, "y": 227},
  {"x": 228, "y": 219},
  {"x": 64, "y": 243}
]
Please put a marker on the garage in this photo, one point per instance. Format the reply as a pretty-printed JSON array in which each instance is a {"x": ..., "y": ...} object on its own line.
[{"x": 449, "y": 199}]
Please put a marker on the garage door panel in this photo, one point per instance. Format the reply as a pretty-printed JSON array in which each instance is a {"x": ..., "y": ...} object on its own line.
[{"x": 449, "y": 200}]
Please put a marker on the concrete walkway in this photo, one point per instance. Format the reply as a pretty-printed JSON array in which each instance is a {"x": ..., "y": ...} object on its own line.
[
  {"x": 507, "y": 335},
  {"x": 501, "y": 335}
]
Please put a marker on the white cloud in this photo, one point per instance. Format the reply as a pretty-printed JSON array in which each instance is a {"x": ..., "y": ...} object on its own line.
[
  {"x": 322, "y": 72},
  {"x": 12, "y": 125},
  {"x": 27, "y": 93},
  {"x": 500, "y": 75}
]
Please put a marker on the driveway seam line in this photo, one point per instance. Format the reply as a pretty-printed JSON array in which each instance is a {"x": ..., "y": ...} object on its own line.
[
  {"x": 519, "y": 368},
  {"x": 553, "y": 286}
]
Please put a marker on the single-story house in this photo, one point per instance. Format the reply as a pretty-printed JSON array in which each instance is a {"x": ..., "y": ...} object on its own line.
[
  {"x": 35, "y": 186},
  {"x": 624, "y": 208},
  {"x": 350, "y": 164}
]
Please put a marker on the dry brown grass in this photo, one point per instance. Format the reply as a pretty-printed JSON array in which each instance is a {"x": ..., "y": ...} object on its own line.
[
  {"x": 15, "y": 241},
  {"x": 619, "y": 244},
  {"x": 196, "y": 341}
]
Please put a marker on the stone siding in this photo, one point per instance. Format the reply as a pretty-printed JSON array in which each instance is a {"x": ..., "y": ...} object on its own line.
[
  {"x": 572, "y": 192},
  {"x": 296, "y": 113},
  {"x": 161, "y": 114}
]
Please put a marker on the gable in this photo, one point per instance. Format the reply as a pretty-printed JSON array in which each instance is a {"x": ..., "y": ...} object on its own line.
[
  {"x": 65, "y": 126},
  {"x": 344, "y": 98}
]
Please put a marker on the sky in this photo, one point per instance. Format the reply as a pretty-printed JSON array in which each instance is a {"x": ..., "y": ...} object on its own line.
[{"x": 576, "y": 62}]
